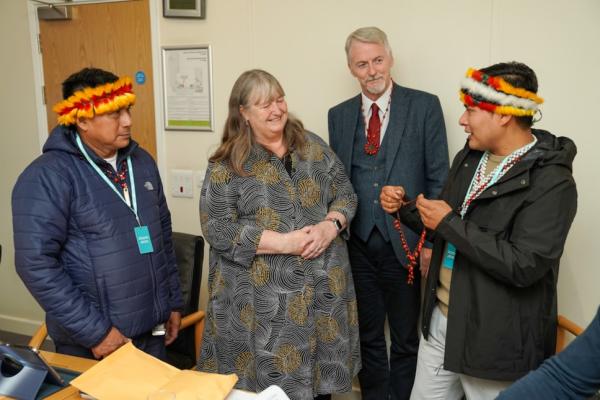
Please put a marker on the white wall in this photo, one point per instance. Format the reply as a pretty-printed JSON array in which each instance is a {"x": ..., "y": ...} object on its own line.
[
  {"x": 301, "y": 43},
  {"x": 19, "y": 144}
]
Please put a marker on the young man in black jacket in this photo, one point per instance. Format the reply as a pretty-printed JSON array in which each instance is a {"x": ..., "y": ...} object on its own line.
[{"x": 499, "y": 230}]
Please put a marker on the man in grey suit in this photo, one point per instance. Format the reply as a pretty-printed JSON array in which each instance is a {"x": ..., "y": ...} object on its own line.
[{"x": 387, "y": 135}]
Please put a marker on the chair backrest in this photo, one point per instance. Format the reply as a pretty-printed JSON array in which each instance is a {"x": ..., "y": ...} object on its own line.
[
  {"x": 189, "y": 253},
  {"x": 565, "y": 326}
]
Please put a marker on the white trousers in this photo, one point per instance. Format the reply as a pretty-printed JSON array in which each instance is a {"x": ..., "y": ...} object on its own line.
[{"x": 433, "y": 382}]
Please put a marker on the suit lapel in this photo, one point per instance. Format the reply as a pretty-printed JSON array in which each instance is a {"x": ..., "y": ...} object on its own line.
[
  {"x": 396, "y": 126},
  {"x": 350, "y": 121}
]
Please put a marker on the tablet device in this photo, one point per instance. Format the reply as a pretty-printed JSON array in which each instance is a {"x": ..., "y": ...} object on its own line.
[{"x": 15, "y": 357}]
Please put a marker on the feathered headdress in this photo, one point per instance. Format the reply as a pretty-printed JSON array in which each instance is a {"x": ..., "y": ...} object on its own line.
[
  {"x": 496, "y": 95},
  {"x": 98, "y": 100}
]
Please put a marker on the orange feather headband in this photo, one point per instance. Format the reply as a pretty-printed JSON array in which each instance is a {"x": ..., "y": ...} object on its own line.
[
  {"x": 91, "y": 101},
  {"x": 494, "y": 94}
]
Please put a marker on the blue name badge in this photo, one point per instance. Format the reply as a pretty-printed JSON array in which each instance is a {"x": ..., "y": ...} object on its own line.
[
  {"x": 142, "y": 234},
  {"x": 449, "y": 256}
]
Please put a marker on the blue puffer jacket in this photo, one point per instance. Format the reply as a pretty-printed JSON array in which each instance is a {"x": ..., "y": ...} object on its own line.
[{"x": 76, "y": 251}]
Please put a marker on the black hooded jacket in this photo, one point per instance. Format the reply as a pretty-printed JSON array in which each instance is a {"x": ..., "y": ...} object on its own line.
[{"x": 502, "y": 311}]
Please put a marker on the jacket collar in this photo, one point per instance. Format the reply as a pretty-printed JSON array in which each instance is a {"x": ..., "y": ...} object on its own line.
[
  {"x": 548, "y": 149},
  {"x": 121, "y": 153},
  {"x": 516, "y": 178},
  {"x": 62, "y": 138}
]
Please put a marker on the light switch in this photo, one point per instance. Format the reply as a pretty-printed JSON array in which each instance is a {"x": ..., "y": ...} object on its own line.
[{"x": 182, "y": 183}]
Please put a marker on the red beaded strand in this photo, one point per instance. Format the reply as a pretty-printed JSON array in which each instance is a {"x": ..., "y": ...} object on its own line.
[{"x": 411, "y": 256}]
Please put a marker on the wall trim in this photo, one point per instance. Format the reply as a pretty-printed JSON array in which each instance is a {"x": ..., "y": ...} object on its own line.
[
  {"x": 155, "y": 7},
  {"x": 38, "y": 74},
  {"x": 22, "y": 326}
]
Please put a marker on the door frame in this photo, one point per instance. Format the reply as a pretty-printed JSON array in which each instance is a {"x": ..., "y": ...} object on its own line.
[{"x": 38, "y": 78}]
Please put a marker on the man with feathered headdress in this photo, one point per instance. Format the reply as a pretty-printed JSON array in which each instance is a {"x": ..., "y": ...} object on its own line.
[
  {"x": 499, "y": 231},
  {"x": 92, "y": 230}
]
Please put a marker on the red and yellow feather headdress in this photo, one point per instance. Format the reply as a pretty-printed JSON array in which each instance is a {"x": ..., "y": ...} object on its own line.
[{"x": 91, "y": 101}]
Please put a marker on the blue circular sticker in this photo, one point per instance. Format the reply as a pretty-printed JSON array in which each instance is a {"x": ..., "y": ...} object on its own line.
[{"x": 140, "y": 77}]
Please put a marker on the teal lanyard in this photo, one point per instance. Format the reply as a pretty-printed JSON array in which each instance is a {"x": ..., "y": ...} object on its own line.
[{"x": 133, "y": 206}]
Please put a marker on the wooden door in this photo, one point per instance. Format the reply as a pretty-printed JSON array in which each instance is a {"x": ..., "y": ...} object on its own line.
[{"x": 111, "y": 36}]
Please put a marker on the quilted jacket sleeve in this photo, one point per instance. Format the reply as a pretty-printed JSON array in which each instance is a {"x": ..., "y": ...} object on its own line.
[{"x": 41, "y": 207}]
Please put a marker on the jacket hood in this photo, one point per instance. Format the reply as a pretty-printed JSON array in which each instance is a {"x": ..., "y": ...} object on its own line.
[
  {"x": 62, "y": 138},
  {"x": 552, "y": 149}
]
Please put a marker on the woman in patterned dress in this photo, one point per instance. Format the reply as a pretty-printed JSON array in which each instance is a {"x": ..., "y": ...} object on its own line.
[{"x": 274, "y": 205}]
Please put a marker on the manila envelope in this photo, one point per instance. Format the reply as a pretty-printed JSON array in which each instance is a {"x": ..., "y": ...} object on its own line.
[{"x": 131, "y": 374}]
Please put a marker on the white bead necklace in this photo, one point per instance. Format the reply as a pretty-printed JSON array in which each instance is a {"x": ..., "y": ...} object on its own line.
[{"x": 481, "y": 181}]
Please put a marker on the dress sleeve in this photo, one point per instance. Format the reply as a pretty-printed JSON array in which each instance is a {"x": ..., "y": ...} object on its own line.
[{"x": 219, "y": 215}]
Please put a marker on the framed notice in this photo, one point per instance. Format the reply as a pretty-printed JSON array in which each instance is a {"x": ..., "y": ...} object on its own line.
[
  {"x": 187, "y": 83},
  {"x": 184, "y": 8}
]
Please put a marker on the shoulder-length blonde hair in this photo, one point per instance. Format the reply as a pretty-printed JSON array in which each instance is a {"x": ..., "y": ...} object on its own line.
[{"x": 256, "y": 86}]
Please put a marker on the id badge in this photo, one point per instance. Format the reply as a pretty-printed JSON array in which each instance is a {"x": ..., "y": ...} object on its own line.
[
  {"x": 449, "y": 257},
  {"x": 142, "y": 235}
]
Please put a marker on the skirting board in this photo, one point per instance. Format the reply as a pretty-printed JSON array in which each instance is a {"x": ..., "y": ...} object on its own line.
[{"x": 18, "y": 325}]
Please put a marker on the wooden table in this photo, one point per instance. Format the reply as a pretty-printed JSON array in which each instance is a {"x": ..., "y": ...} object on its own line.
[{"x": 64, "y": 361}]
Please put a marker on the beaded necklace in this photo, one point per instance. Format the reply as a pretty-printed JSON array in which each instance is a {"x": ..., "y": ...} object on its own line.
[
  {"x": 481, "y": 181},
  {"x": 411, "y": 256},
  {"x": 373, "y": 148},
  {"x": 120, "y": 178}
]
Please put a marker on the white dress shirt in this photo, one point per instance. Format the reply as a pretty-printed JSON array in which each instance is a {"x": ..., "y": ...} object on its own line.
[{"x": 382, "y": 103}]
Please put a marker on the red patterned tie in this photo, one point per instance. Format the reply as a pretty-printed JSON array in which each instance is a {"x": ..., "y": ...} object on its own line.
[{"x": 374, "y": 131}]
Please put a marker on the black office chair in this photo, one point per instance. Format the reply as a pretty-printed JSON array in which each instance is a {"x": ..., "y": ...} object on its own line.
[{"x": 189, "y": 252}]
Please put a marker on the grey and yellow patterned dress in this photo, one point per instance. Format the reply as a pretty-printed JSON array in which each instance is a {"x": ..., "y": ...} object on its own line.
[{"x": 279, "y": 319}]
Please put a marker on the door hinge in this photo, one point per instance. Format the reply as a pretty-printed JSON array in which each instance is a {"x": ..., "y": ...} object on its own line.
[
  {"x": 53, "y": 12},
  {"x": 39, "y": 37},
  {"x": 44, "y": 94}
]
